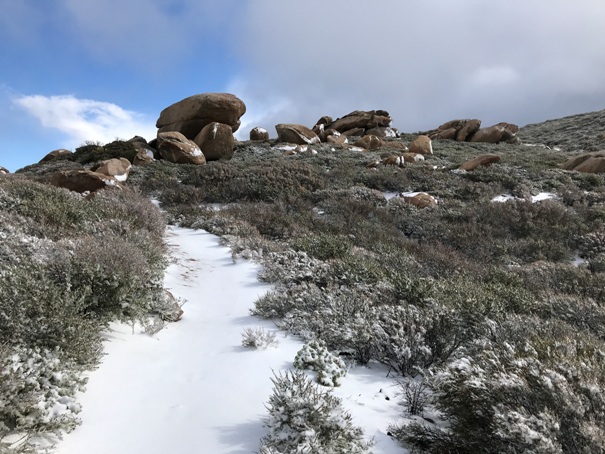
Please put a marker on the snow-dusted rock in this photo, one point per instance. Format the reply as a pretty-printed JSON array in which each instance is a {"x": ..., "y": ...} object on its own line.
[
  {"x": 259, "y": 133},
  {"x": 216, "y": 141},
  {"x": 175, "y": 147},
  {"x": 297, "y": 134},
  {"x": 84, "y": 181},
  {"x": 117, "y": 168}
]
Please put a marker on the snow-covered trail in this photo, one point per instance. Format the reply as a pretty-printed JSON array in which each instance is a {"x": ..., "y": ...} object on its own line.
[{"x": 192, "y": 388}]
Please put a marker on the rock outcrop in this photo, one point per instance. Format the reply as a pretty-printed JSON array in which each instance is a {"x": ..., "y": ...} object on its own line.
[
  {"x": 175, "y": 147},
  {"x": 369, "y": 142},
  {"x": 471, "y": 131},
  {"x": 502, "y": 132},
  {"x": 587, "y": 163},
  {"x": 191, "y": 114},
  {"x": 297, "y": 134},
  {"x": 459, "y": 130},
  {"x": 360, "y": 120},
  {"x": 3, "y": 170},
  {"x": 55, "y": 155},
  {"x": 84, "y": 181}
]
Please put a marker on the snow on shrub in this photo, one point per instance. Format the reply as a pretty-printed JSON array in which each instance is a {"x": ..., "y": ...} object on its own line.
[
  {"x": 259, "y": 338},
  {"x": 533, "y": 386},
  {"x": 37, "y": 391},
  {"x": 315, "y": 356},
  {"x": 410, "y": 338},
  {"x": 305, "y": 419}
]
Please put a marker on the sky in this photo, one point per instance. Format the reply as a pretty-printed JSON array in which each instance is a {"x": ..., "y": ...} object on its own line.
[
  {"x": 193, "y": 387},
  {"x": 73, "y": 71}
]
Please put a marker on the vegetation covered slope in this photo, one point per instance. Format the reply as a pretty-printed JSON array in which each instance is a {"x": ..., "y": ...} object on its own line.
[{"x": 495, "y": 311}]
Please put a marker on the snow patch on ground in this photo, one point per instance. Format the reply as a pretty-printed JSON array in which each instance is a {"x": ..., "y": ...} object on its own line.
[
  {"x": 193, "y": 387},
  {"x": 535, "y": 198}
]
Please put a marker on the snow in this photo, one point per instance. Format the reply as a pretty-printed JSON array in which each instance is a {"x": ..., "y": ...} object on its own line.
[
  {"x": 535, "y": 198},
  {"x": 193, "y": 387}
]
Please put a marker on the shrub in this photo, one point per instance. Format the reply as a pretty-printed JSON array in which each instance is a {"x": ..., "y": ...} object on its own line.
[
  {"x": 306, "y": 419},
  {"x": 38, "y": 391},
  {"x": 409, "y": 339},
  {"x": 534, "y": 386},
  {"x": 93, "y": 151},
  {"x": 323, "y": 246},
  {"x": 315, "y": 356},
  {"x": 259, "y": 338}
]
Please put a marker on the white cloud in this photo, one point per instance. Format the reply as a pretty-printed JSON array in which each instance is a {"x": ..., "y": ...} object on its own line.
[{"x": 85, "y": 119}]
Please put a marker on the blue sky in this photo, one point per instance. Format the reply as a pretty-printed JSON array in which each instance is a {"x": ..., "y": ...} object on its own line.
[{"x": 78, "y": 70}]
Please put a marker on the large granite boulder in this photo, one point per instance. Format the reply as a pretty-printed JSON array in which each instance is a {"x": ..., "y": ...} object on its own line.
[
  {"x": 259, "y": 133},
  {"x": 117, "y": 168},
  {"x": 459, "y": 130},
  {"x": 84, "y": 181},
  {"x": 297, "y": 134},
  {"x": 175, "y": 147},
  {"x": 587, "y": 163},
  {"x": 360, "y": 119},
  {"x": 421, "y": 144},
  {"x": 480, "y": 161},
  {"x": 191, "y": 114},
  {"x": 501, "y": 132},
  {"x": 216, "y": 141},
  {"x": 3, "y": 170},
  {"x": 370, "y": 142}
]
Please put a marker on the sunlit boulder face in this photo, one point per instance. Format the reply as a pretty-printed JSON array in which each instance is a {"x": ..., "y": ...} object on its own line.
[
  {"x": 84, "y": 181},
  {"x": 190, "y": 115},
  {"x": 3, "y": 171},
  {"x": 117, "y": 168},
  {"x": 175, "y": 147}
]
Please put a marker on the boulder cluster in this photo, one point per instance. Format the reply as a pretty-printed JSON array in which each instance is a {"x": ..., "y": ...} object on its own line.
[
  {"x": 471, "y": 131},
  {"x": 200, "y": 128}
]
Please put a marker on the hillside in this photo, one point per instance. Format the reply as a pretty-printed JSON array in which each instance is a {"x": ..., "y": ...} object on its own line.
[
  {"x": 490, "y": 313},
  {"x": 582, "y": 132}
]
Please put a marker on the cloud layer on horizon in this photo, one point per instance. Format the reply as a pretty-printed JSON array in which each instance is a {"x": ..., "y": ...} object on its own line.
[
  {"x": 82, "y": 120},
  {"x": 426, "y": 62}
]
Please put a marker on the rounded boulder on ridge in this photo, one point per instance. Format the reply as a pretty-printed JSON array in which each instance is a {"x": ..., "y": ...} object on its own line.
[{"x": 190, "y": 115}]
